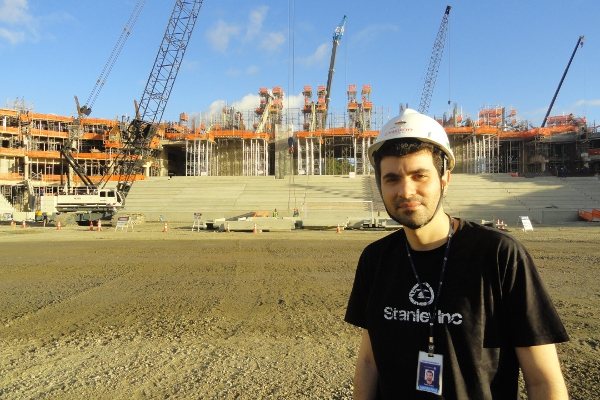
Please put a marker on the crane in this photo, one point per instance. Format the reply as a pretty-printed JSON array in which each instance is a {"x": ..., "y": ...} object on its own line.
[
  {"x": 434, "y": 63},
  {"x": 337, "y": 36},
  {"x": 141, "y": 131},
  {"x": 155, "y": 96},
  {"x": 86, "y": 109},
  {"x": 75, "y": 129},
  {"x": 579, "y": 42}
]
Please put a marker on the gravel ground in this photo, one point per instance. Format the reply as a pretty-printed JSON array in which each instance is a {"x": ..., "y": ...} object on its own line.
[{"x": 182, "y": 314}]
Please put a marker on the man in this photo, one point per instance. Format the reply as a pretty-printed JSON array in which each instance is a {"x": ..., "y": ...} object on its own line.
[
  {"x": 445, "y": 294},
  {"x": 428, "y": 377}
]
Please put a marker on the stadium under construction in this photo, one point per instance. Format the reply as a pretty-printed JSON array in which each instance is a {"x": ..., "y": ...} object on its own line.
[{"x": 270, "y": 140}]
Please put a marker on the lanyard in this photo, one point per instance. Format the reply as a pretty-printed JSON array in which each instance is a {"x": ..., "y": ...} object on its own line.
[{"x": 432, "y": 316}]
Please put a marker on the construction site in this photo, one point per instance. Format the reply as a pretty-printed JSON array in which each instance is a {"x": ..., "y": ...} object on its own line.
[
  {"x": 44, "y": 156},
  {"x": 277, "y": 143}
]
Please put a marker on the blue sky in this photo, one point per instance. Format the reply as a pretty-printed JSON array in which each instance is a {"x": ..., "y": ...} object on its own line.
[{"x": 510, "y": 53}]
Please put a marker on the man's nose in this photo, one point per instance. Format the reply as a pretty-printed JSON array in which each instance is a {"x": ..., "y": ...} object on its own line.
[{"x": 405, "y": 188}]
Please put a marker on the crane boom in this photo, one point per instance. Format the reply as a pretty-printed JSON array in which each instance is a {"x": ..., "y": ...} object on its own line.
[
  {"x": 168, "y": 60},
  {"x": 580, "y": 41},
  {"x": 434, "y": 63},
  {"x": 114, "y": 55},
  {"x": 142, "y": 129},
  {"x": 337, "y": 36}
]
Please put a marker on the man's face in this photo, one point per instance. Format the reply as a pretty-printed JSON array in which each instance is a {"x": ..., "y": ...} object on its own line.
[
  {"x": 410, "y": 187},
  {"x": 428, "y": 377}
]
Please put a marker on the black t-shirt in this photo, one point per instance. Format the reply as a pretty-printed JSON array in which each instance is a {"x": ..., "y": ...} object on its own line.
[{"x": 492, "y": 300}]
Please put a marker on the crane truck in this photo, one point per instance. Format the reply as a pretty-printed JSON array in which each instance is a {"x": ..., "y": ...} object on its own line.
[{"x": 95, "y": 201}]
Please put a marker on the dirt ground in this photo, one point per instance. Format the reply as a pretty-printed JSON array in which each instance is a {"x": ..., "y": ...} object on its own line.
[{"x": 182, "y": 314}]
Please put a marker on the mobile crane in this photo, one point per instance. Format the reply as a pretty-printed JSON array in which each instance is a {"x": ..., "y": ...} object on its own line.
[
  {"x": 579, "y": 43},
  {"x": 99, "y": 202},
  {"x": 434, "y": 63},
  {"x": 337, "y": 36}
]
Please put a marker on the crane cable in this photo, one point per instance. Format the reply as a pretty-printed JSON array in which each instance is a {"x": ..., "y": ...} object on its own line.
[
  {"x": 114, "y": 54},
  {"x": 291, "y": 52}
]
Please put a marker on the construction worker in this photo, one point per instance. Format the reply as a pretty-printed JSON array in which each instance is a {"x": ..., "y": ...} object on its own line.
[
  {"x": 473, "y": 332},
  {"x": 275, "y": 213}
]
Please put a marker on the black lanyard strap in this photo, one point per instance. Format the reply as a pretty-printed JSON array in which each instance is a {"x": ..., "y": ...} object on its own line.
[{"x": 432, "y": 316}]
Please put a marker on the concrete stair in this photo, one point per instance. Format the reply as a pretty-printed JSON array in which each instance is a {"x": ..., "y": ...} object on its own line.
[{"x": 475, "y": 197}]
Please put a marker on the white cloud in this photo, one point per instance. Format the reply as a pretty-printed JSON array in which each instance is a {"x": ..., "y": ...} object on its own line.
[
  {"x": 319, "y": 55},
  {"x": 13, "y": 37},
  {"x": 224, "y": 35},
  {"x": 246, "y": 105},
  {"x": 592, "y": 103},
  {"x": 272, "y": 41},
  {"x": 372, "y": 33},
  {"x": 233, "y": 72},
  {"x": 252, "y": 69},
  {"x": 294, "y": 101},
  {"x": 190, "y": 65},
  {"x": 220, "y": 35},
  {"x": 20, "y": 24},
  {"x": 255, "y": 21}
]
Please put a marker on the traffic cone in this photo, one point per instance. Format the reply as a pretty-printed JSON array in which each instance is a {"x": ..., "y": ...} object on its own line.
[
  {"x": 99, "y": 226},
  {"x": 91, "y": 226},
  {"x": 23, "y": 224},
  {"x": 254, "y": 230},
  {"x": 338, "y": 229},
  {"x": 227, "y": 229},
  {"x": 165, "y": 228},
  {"x": 58, "y": 226}
]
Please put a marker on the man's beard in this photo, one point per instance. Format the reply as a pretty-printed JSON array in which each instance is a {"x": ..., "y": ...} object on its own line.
[{"x": 412, "y": 219}]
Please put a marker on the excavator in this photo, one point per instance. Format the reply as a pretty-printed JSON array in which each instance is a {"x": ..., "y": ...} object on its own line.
[{"x": 95, "y": 201}]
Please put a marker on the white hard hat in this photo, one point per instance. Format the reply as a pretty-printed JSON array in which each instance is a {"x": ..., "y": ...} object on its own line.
[{"x": 412, "y": 125}]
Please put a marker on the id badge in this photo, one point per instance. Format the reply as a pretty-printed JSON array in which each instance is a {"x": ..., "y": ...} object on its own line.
[{"x": 429, "y": 373}]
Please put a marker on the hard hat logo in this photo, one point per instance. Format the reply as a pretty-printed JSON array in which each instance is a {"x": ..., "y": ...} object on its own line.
[
  {"x": 399, "y": 130},
  {"x": 413, "y": 125}
]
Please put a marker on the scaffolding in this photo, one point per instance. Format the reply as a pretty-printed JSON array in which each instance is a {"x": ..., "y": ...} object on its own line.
[
  {"x": 480, "y": 154},
  {"x": 342, "y": 147},
  {"x": 200, "y": 157},
  {"x": 360, "y": 116},
  {"x": 256, "y": 157},
  {"x": 512, "y": 156},
  {"x": 267, "y": 141}
]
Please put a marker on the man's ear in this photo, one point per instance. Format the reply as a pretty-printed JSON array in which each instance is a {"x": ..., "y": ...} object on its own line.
[{"x": 445, "y": 182}]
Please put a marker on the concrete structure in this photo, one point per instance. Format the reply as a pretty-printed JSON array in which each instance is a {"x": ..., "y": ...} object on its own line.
[
  {"x": 325, "y": 201},
  {"x": 271, "y": 141}
]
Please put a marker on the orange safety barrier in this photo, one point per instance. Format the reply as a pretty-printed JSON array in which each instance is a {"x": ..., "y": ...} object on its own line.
[
  {"x": 5, "y": 151},
  {"x": 43, "y": 154},
  {"x": 10, "y": 129},
  {"x": 586, "y": 215},
  {"x": 596, "y": 214}
]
